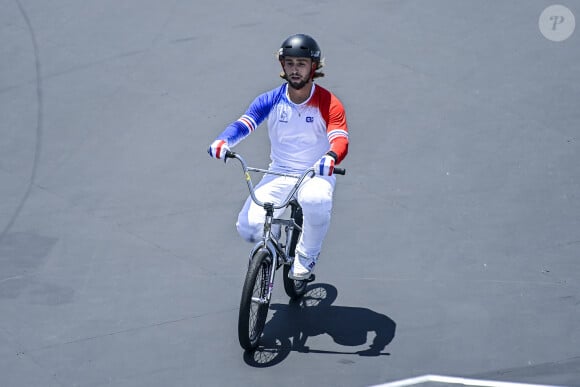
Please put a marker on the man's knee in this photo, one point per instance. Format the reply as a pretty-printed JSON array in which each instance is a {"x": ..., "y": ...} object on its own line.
[
  {"x": 249, "y": 232},
  {"x": 317, "y": 211},
  {"x": 316, "y": 197},
  {"x": 316, "y": 203},
  {"x": 253, "y": 232},
  {"x": 248, "y": 235}
]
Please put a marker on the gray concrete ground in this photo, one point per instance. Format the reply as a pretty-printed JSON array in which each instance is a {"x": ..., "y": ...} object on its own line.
[{"x": 455, "y": 238}]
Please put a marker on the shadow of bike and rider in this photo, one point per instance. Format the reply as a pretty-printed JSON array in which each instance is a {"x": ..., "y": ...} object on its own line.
[{"x": 291, "y": 325}]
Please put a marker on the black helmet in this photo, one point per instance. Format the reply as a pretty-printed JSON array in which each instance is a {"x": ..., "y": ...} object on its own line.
[{"x": 300, "y": 45}]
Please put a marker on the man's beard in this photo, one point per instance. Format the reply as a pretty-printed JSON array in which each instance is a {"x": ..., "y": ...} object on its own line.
[{"x": 297, "y": 85}]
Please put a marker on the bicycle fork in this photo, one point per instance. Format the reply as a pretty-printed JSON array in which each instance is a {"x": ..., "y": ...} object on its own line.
[
  {"x": 285, "y": 253},
  {"x": 274, "y": 251}
]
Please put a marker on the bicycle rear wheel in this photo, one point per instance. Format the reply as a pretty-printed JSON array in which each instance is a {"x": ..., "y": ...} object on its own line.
[
  {"x": 294, "y": 288},
  {"x": 253, "y": 304}
]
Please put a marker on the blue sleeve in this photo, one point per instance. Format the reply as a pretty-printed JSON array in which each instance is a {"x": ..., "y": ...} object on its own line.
[{"x": 257, "y": 112}]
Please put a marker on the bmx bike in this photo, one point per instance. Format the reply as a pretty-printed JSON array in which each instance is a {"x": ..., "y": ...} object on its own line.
[{"x": 269, "y": 255}]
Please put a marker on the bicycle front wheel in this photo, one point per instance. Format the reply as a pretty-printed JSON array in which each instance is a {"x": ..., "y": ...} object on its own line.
[{"x": 254, "y": 305}]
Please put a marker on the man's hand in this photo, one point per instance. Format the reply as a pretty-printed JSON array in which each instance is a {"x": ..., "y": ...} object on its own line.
[
  {"x": 218, "y": 149},
  {"x": 324, "y": 166}
]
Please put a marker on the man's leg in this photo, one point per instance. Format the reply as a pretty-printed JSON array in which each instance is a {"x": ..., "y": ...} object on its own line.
[
  {"x": 315, "y": 198},
  {"x": 250, "y": 222}
]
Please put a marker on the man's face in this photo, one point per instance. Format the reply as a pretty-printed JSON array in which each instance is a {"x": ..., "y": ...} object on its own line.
[{"x": 298, "y": 71}]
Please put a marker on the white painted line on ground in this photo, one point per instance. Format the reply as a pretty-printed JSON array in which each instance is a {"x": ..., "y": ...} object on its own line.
[{"x": 457, "y": 380}]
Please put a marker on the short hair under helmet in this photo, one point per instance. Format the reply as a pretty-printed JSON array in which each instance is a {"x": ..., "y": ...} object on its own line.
[{"x": 300, "y": 45}]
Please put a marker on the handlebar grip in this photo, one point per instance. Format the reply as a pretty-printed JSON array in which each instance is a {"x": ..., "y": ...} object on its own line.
[
  {"x": 339, "y": 171},
  {"x": 230, "y": 154}
]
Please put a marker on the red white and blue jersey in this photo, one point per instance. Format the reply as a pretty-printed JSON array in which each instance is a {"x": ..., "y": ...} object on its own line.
[{"x": 300, "y": 134}]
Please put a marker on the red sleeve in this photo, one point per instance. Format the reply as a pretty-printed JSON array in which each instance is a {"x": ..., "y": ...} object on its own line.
[{"x": 336, "y": 127}]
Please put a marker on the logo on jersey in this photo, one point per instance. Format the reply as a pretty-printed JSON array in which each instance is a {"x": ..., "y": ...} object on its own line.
[
  {"x": 309, "y": 119},
  {"x": 283, "y": 114}
]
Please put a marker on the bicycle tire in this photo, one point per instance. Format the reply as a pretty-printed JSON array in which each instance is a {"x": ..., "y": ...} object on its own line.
[
  {"x": 252, "y": 315},
  {"x": 294, "y": 288}
]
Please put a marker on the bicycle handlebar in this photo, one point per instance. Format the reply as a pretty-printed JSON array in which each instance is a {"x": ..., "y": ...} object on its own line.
[
  {"x": 233, "y": 155},
  {"x": 299, "y": 177}
]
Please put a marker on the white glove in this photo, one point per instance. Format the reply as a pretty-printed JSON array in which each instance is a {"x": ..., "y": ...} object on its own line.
[
  {"x": 324, "y": 166},
  {"x": 218, "y": 149}
]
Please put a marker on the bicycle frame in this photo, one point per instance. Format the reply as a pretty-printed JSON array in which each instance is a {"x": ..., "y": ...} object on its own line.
[{"x": 278, "y": 252}]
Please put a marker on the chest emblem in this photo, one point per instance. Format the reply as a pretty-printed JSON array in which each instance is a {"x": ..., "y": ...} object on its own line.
[{"x": 284, "y": 114}]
